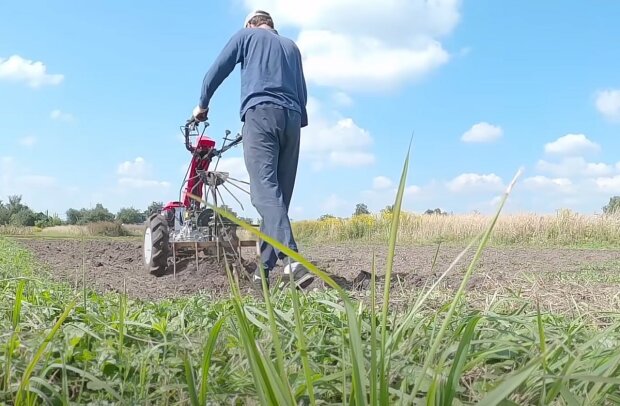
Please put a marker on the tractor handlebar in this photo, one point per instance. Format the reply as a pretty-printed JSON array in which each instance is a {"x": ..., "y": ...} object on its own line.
[{"x": 191, "y": 124}]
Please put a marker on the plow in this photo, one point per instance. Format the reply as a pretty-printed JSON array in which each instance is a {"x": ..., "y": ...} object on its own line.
[{"x": 187, "y": 228}]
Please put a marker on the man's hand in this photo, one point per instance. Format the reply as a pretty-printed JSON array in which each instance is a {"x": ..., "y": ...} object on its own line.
[{"x": 200, "y": 114}]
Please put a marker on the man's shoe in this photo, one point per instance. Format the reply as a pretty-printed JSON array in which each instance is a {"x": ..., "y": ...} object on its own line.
[
  {"x": 257, "y": 281},
  {"x": 302, "y": 277}
]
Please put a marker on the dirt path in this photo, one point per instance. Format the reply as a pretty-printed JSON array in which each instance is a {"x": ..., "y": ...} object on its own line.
[{"x": 109, "y": 264}]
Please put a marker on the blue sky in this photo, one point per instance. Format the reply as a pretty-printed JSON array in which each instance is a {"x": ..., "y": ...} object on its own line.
[{"x": 93, "y": 95}]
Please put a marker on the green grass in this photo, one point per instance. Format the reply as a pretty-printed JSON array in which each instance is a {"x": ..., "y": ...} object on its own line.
[
  {"x": 61, "y": 346},
  {"x": 110, "y": 349}
]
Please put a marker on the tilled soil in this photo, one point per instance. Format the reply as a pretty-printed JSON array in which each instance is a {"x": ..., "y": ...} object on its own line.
[{"x": 109, "y": 265}]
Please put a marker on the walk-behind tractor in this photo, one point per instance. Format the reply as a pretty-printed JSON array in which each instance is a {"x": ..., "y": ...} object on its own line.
[{"x": 185, "y": 228}]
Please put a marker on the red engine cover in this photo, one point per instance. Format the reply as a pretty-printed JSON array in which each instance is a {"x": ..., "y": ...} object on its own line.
[{"x": 194, "y": 184}]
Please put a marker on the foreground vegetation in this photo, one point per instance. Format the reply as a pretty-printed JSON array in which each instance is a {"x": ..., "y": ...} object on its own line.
[
  {"x": 63, "y": 346},
  {"x": 565, "y": 228}
]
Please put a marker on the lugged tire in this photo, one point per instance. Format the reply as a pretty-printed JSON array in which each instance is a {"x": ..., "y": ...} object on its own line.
[{"x": 156, "y": 231}]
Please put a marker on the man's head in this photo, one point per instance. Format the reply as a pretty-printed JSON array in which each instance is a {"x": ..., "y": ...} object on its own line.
[{"x": 257, "y": 18}]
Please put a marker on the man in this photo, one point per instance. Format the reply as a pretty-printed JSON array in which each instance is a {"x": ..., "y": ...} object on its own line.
[{"x": 273, "y": 111}]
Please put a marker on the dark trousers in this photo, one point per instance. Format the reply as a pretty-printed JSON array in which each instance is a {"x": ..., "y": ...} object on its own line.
[{"x": 271, "y": 138}]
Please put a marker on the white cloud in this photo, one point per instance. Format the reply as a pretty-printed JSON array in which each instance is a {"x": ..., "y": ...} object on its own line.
[
  {"x": 571, "y": 144},
  {"x": 608, "y": 103},
  {"x": 138, "y": 168},
  {"x": 574, "y": 167},
  {"x": 381, "y": 182},
  {"x": 34, "y": 74},
  {"x": 61, "y": 116},
  {"x": 28, "y": 141},
  {"x": 475, "y": 182},
  {"x": 136, "y": 174},
  {"x": 340, "y": 51},
  {"x": 543, "y": 183},
  {"x": 608, "y": 184},
  {"x": 365, "y": 63},
  {"x": 331, "y": 140},
  {"x": 482, "y": 132}
]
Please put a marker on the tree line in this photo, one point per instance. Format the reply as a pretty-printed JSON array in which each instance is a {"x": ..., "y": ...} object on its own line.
[{"x": 16, "y": 213}]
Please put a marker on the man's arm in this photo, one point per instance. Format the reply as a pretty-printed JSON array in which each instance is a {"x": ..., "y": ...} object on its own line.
[
  {"x": 304, "y": 94},
  {"x": 231, "y": 54}
]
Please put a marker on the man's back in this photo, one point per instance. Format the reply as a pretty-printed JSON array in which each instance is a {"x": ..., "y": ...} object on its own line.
[{"x": 271, "y": 70}]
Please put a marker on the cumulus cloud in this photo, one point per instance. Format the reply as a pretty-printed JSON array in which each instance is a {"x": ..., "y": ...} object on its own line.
[
  {"x": 482, "y": 132},
  {"x": 543, "y": 183},
  {"x": 137, "y": 168},
  {"x": 571, "y": 144},
  {"x": 609, "y": 184},
  {"x": 332, "y": 140},
  {"x": 608, "y": 103},
  {"x": 341, "y": 52},
  {"x": 34, "y": 74},
  {"x": 137, "y": 174},
  {"x": 475, "y": 182},
  {"x": 574, "y": 167}
]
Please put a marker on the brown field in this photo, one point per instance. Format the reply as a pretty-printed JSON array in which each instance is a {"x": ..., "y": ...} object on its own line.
[{"x": 586, "y": 279}]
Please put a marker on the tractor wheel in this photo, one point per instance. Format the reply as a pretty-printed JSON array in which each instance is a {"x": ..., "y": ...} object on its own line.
[{"x": 156, "y": 248}]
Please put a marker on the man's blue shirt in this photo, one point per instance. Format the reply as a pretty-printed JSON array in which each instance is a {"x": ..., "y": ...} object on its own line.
[{"x": 271, "y": 71}]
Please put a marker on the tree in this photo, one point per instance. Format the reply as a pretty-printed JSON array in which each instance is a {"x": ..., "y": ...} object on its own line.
[
  {"x": 361, "y": 208},
  {"x": 24, "y": 217},
  {"x": 15, "y": 204},
  {"x": 326, "y": 216},
  {"x": 613, "y": 206},
  {"x": 437, "y": 211},
  {"x": 99, "y": 213},
  {"x": 129, "y": 215},
  {"x": 154, "y": 207},
  {"x": 5, "y": 214},
  {"x": 388, "y": 209},
  {"x": 73, "y": 216}
]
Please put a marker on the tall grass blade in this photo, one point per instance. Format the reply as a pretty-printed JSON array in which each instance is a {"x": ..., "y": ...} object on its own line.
[
  {"x": 449, "y": 391},
  {"x": 274, "y": 330},
  {"x": 11, "y": 343},
  {"x": 32, "y": 364},
  {"x": 373, "y": 334},
  {"x": 301, "y": 341},
  {"x": 359, "y": 378},
  {"x": 268, "y": 384},
  {"x": 384, "y": 359},
  {"x": 190, "y": 380},
  {"x": 206, "y": 358},
  {"x": 430, "y": 357},
  {"x": 541, "y": 335}
]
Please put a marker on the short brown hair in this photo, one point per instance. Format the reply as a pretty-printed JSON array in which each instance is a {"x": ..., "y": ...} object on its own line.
[{"x": 262, "y": 18}]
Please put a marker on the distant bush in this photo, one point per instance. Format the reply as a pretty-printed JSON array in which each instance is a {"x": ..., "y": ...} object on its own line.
[{"x": 107, "y": 229}]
